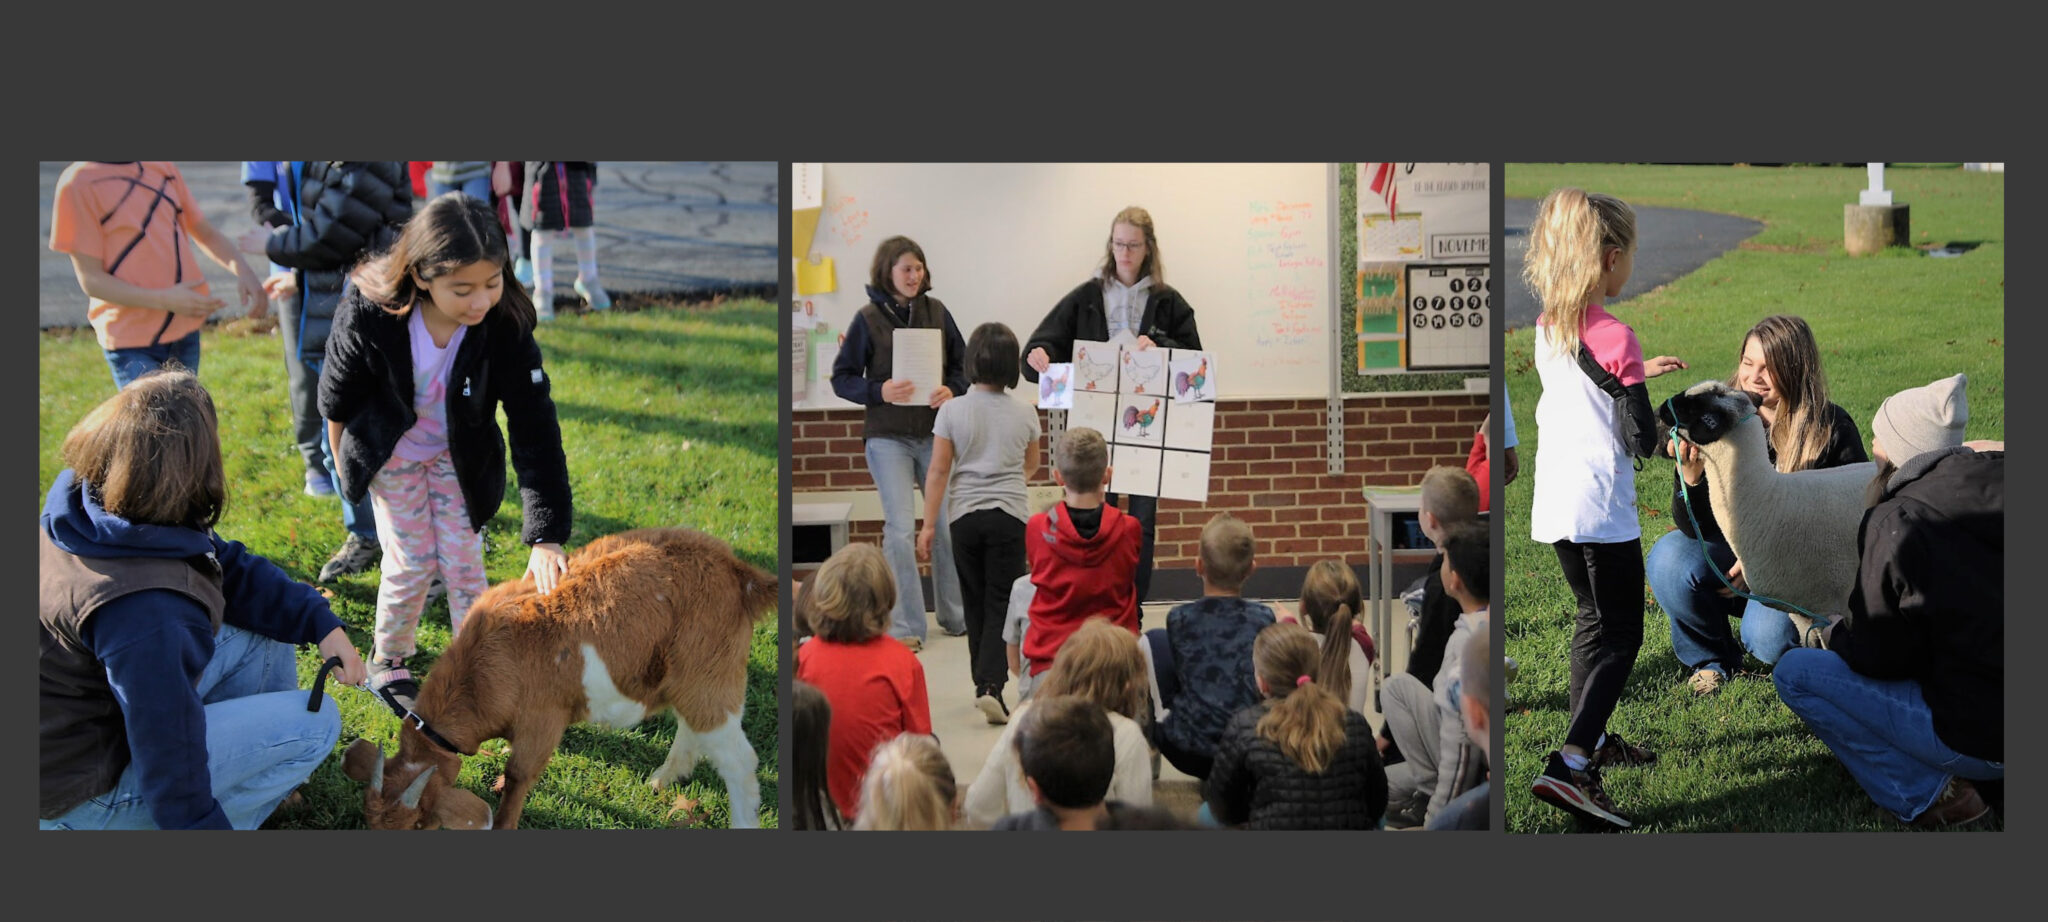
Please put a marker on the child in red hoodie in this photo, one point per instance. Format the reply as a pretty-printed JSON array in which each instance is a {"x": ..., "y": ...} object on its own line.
[{"x": 1083, "y": 553}]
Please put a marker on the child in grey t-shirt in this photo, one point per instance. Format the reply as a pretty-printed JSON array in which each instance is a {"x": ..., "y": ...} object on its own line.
[{"x": 985, "y": 446}]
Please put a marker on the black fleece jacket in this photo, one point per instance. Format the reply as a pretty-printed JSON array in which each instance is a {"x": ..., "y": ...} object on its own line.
[
  {"x": 1167, "y": 319},
  {"x": 367, "y": 388}
]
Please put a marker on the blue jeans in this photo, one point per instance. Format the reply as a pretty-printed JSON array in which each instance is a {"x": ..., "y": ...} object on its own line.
[
  {"x": 1686, "y": 588},
  {"x": 356, "y": 516},
  {"x": 261, "y": 742},
  {"x": 478, "y": 188},
  {"x": 136, "y": 361},
  {"x": 898, "y": 466},
  {"x": 1881, "y": 730}
]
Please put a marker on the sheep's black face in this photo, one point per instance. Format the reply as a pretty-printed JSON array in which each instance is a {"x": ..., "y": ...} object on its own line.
[{"x": 1707, "y": 411}]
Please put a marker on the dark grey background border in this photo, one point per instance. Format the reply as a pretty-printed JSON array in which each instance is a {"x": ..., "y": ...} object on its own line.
[{"x": 1286, "y": 83}]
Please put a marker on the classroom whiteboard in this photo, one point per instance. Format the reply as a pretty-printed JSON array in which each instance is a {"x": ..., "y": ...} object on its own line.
[{"x": 1248, "y": 246}]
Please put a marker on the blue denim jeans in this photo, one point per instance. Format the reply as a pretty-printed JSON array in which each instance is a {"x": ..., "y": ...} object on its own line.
[
  {"x": 1686, "y": 588},
  {"x": 478, "y": 188},
  {"x": 356, "y": 517},
  {"x": 898, "y": 466},
  {"x": 1881, "y": 730},
  {"x": 136, "y": 361},
  {"x": 261, "y": 742}
]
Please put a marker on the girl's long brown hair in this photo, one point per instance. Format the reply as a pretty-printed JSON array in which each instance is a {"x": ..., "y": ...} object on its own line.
[
  {"x": 1101, "y": 663},
  {"x": 453, "y": 231},
  {"x": 1803, "y": 425},
  {"x": 1330, "y": 599},
  {"x": 812, "y": 717},
  {"x": 1305, "y": 721},
  {"x": 1572, "y": 233},
  {"x": 1153, "y": 265}
]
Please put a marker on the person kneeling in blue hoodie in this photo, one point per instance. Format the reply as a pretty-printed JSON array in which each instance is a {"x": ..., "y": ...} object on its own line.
[{"x": 170, "y": 693}]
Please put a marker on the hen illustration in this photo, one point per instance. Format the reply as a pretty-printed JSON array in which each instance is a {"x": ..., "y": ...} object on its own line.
[
  {"x": 1142, "y": 419},
  {"x": 1093, "y": 373},
  {"x": 1143, "y": 367},
  {"x": 1051, "y": 387},
  {"x": 1192, "y": 381}
]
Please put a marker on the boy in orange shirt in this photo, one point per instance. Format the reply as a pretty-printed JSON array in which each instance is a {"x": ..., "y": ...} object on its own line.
[{"x": 131, "y": 230}]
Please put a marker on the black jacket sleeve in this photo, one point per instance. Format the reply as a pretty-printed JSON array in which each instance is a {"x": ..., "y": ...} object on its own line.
[
  {"x": 1173, "y": 322},
  {"x": 1845, "y": 442},
  {"x": 1228, "y": 789},
  {"x": 536, "y": 437},
  {"x": 1056, "y": 334},
  {"x": 358, "y": 211},
  {"x": 1885, "y": 635},
  {"x": 262, "y": 206},
  {"x": 344, "y": 376},
  {"x": 1638, "y": 421},
  {"x": 955, "y": 357}
]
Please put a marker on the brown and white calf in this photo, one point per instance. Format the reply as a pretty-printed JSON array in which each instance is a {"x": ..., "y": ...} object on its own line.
[{"x": 654, "y": 619}]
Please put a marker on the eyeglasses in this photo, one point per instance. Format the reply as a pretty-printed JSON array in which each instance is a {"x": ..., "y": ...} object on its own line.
[{"x": 1123, "y": 247}]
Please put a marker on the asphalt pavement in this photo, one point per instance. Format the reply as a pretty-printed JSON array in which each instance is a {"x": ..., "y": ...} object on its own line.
[{"x": 1670, "y": 242}]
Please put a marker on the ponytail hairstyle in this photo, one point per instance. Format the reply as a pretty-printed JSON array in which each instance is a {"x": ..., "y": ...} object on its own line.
[
  {"x": 812, "y": 714},
  {"x": 1153, "y": 265},
  {"x": 1305, "y": 721},
  {"x": 451, "y": 232},
  {"x": 909, "y": 785},
  {"x": 1330, "y": 599},
  {"x": 1803, "y": 425},
  {"x": 1570, "y": 237},
  {"x": 1101, "y": 663}
]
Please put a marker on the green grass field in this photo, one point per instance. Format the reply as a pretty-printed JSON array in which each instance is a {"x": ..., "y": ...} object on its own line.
[
  {"x": 669, "y": 417},
  {"x": 1739, "y": 760}
]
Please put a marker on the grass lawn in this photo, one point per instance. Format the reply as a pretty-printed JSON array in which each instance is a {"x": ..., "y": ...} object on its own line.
[
  {"x": 669, "y": 417},
  {"x": 1739, "y": 760}
]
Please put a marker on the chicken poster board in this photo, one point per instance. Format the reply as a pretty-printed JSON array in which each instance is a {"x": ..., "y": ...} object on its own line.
[{"x": 1157, "y": 409}]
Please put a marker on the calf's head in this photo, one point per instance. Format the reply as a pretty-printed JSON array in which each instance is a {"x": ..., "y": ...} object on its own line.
[{"x": 418, "y": 792}]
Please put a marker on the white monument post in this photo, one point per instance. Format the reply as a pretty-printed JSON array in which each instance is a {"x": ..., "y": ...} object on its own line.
[{"x": 1873, "y": 222}]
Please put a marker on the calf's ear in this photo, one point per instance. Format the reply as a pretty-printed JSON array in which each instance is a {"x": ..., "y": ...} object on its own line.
[{"x": 363, "y": 761}]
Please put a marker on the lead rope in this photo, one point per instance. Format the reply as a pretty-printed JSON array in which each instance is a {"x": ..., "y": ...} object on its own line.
[{"x": 1811, "y": 635}]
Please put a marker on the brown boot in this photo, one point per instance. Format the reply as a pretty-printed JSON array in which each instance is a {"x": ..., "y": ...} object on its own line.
[{"x": 1959, "y": 805}]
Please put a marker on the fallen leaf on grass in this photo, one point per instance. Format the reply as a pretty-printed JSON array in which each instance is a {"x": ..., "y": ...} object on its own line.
[
  {"x": 688, "y": 807},
  {"x": 325, "y": 592}
]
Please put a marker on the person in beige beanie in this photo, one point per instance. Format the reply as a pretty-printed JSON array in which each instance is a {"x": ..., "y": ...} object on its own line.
[
  {"x": 1918, "y": 420},
  {"x": 1909, "y": 690}
]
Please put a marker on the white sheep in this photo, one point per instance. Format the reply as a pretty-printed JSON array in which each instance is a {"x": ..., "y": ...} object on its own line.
[{"x": 1794, "y": 533}]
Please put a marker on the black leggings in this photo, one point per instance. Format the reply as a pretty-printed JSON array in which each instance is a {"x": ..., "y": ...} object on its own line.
[
  {"x": 988, "y": 552},
  {"x": 1607, "y": 581}
]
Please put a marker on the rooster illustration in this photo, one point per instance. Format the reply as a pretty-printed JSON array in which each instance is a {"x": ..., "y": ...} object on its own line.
[
  {"x": 1053, "y": 386},
  {"x": 1093, "y": 373},
  {"x": 1143, "y": 368},
  {"x": 1192, "y": 381},
  {"x": 1142, "y": 419}
]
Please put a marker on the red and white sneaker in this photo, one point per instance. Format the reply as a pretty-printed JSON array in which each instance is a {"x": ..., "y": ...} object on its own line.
[{"x": 1577, "y": 792}]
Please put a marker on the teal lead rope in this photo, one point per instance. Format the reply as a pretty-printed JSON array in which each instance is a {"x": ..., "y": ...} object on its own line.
[{"x": 1811, "y": 635}]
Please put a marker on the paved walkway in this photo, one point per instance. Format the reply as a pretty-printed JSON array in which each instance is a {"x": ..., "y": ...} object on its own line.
[
  {"x": 1670, "y": 243},
  {"x": 663, "y": 228}
]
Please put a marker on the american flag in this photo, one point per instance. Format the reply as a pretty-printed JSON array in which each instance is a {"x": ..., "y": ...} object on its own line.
[{"x": 1383, "y": 183}]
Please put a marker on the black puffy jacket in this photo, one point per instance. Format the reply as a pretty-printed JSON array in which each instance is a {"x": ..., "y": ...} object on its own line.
[
  {"x": 347, "y": 210},
  {"x": 1254, "y": 784},
  {"x": 1167, "y": 319},
  {"x": 1929, "y": 600},
  {"x": 367, "y": 387}
]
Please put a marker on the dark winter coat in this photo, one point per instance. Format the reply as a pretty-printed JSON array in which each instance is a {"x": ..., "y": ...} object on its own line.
[
  {"x": 1167, "y": 319},
  {"x": 367, "y": 386},
  {"x": 347, "y": 210},
  {"x": 1929, "y": 600},
  {"x": 1254, "y": 784}
]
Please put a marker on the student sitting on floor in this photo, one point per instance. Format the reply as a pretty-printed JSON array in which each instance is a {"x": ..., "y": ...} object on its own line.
[
  {"x": 909, "y": 785},
  {"x": 1330, "y": 601},
  {"x": 1473, "y": 809},
  {"x": 875, "y": 685},
  {"x": 1429, "y": 722},
  {"x": 1067, "y": 750},
  {"x": 1299, "y": 759},
  {"x": 1450, "y": 498},
  {"x": 1099, "y": 663},
  {"x": 1083, "y": 555},
  {"x": 1204, "y": 656}
]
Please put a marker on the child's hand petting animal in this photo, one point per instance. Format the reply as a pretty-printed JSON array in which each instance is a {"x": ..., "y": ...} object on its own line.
[{"x": 1662, "y": 364}]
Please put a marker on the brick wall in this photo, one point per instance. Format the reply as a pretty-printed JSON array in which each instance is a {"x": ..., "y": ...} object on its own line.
[{"x": 1269, "y": 467}]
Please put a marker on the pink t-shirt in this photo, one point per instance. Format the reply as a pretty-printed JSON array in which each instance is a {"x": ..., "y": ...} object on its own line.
[{"x": 430, "y": 364}]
